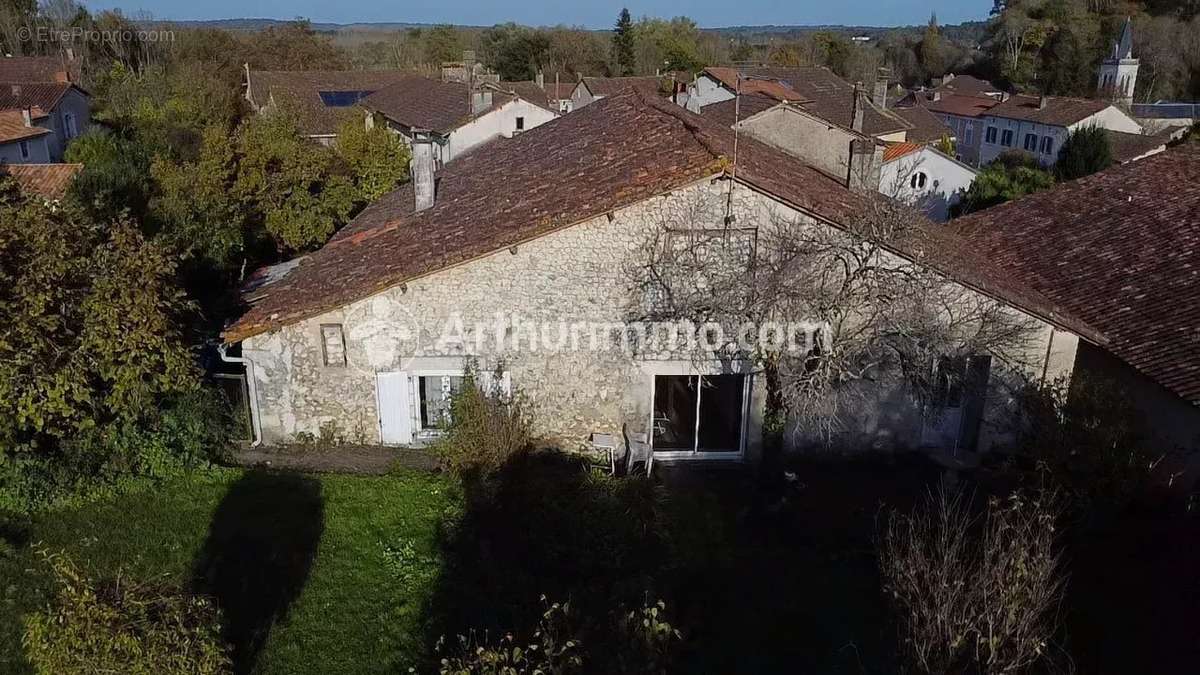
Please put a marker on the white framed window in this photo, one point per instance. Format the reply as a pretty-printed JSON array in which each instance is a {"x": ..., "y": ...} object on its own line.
[
  {"x": 520, "y": 124},
  {"x": 333, "y": 345},
  {"x": 1047, "y": 145},
  {"x": 990, "y": 135},
  {"x": 24, "y": 149},
  {"x": 1006, "y": 138},
  {"x": 969, "y": 133}
]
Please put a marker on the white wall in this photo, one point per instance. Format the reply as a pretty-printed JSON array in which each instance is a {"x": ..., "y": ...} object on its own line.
[
  {"x": 1113, "y": 119},
  {"x": 499, "y": 122},
  {"x": 706, "y": 90},
  {"x": 1110, "y": 118},
  {"x": 39, "y": 153},
  {"x": 945, "y": 182}
]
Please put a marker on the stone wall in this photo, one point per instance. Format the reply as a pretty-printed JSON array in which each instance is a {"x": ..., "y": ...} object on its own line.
[{"x": 578, "y": 274}]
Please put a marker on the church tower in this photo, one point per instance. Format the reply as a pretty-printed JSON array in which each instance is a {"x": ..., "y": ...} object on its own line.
[{"x": 1118, "y": 72}]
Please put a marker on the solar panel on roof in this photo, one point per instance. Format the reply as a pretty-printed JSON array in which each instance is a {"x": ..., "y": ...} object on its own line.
[{"x": 342, "y": 99}]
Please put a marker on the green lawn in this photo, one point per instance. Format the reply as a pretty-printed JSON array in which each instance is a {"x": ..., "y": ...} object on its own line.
[{"x": 318, "y": 574}]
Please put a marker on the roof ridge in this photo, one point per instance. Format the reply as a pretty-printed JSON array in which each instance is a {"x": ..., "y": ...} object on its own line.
[{"x": 682, "y": 116}]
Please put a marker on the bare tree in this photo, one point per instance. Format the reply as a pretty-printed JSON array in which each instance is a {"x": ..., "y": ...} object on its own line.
[{"x": 873, "y": 317}]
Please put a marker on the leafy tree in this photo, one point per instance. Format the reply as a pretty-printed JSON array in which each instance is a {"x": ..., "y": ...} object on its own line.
[
  {"x": 292, "y": 46},
  {"x": 932, "y": 51},
  {"x": 92, "y": 332},
  {"x": 515, "y": 52},
  {"x": 443, "y": 43},
  {"x": 116, "y": 174},
  {"x": 667, "y": 45},
  {"x": 623, "y": 52},
  {"x": 1085, "y": 152},
  {"x": 1013, "y": 174},
  {"x": 301, "y": 192},
  {"x": 378, "y": 159}
]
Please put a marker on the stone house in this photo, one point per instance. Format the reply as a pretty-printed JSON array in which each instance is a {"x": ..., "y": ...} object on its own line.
[
  {"x": 924, "y": 177},
  {"x": 508, "y": 263},
  {"x": 457, "y": 117},
  {"x": 1119, "y": 249}
]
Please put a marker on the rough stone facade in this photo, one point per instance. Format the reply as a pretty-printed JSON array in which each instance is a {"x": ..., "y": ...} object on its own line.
[{"x": 577, "y": 274}]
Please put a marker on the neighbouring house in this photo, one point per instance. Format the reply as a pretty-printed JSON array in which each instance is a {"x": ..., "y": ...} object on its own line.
[
  {"x": 1162, "y": 115},
  {"x": 48, "y": 181},
  {"x": 1132, "y": 147},
  {"x": 1120, "y": 249},
  {"x": 542, "y": 230},
  {"x": 552, "y": 94},
  {"x": 925, "y": 177},
  {"x": 46, "y": 69},
  {"x": 591, "y": 89},
  {"x": 22, "y": 139},
  {"x": 924, "y": 126},
  {"x": 456, "y": 117},
  {"x": 320, "y": 100},
  {"x": 963, "y": 113},
  {"x": 63, "y": 108},
  {"x": 1039, "y": 125}
]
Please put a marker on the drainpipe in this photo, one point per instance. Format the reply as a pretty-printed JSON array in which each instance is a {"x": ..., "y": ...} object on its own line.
[{"x": 255, "y": 422}]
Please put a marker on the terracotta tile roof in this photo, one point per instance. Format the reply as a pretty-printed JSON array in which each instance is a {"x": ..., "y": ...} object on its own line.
[
  {"x": 1120, "y": 249},
  {"x": 44, "y": 95},
  {"x": 300, "y": 92},
  {"x": 1059, "y": 111},
  {"x": 39, "y": 69},
  {"x": 13, "y": 128},
  {"x": 956, "y": 104},
  {"x": 1128, "y": 147},
  {"x": 47, "y": 180},
  {"x": 614, "y": 153},
  {"x": 422, "y": 103},
  {"x": 608, "y": 86},
  {"x": 723, "y": 113},
  {"x": 829, "y": 96},
  {"x": 897, "y": 150},
  {"x": 968, "y": 85},
  {"x": 530, "y": 91},
  {"x": 926, "y": 127}
]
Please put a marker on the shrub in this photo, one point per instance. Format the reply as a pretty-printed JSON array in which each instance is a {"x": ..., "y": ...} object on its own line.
[
  {"x": 120, "y": 626},
  {"x": 1085, "y": 439},
  {"x": 488, "y": 427},
  {"x": 970, "y": 595},
  {"x": 1085, "y": 152}
]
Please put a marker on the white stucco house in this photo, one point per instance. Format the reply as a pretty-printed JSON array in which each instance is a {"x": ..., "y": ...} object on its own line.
[
  {"x": 925, "y": 177},
  {"x": 456, "y": 117},
  {"x": 1039, "y": 125},
  {"x": 537, "y": 236}
]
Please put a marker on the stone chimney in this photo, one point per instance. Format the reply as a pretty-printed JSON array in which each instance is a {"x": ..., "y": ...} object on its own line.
[
  {"x": 857, "y": 108},
  {"x": 16, "y": 90},
  {"x": 421, "y": 168},
  {"x": 541, "y": 79},
  {"x": 879, "y": 95},
  {"x": 27, "y": 116},
  {"x": 866, "y": 162},
  {"x": 1042, "y": 101}
]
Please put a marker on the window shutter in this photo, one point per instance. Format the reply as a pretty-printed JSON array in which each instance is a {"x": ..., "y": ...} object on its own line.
[{"x": 393, "y": 399}]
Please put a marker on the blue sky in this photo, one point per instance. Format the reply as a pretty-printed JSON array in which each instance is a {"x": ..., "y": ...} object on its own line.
[{"x": 590, "y": 13}]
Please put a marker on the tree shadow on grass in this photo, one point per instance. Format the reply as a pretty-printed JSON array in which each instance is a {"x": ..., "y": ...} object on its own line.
[
  {"x": 261, "y": 545},
  {"x": 753, "y": 587}
]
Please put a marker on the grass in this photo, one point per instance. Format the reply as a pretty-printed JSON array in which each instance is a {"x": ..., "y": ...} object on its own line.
[{"x": 321, "y": 574}]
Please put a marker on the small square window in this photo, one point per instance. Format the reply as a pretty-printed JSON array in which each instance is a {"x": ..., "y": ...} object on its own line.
[
  {"x": 520, "y": 124},
  {"x": 333, "y": 345}
]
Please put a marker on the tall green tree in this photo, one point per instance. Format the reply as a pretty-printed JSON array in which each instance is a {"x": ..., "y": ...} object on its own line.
[
  {"x": 1012, "y": 175},
  {"x": 624, "y": 57},
  {"x": 1085, "y": 152},
  {"x": 377, "y": 158}
]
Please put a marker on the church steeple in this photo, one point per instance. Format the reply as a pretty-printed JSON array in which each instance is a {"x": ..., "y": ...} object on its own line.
[{"x": 1118, "y": 72}]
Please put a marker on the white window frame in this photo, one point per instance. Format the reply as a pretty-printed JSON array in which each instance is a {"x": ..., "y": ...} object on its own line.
[
  {"x": 696, "y": 454},
  {"x": 24, "y": 148},
  {"x": 421, "y": 433}
]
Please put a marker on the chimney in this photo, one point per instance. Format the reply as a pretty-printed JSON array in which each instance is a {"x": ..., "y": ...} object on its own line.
[
  {"x": 62, "y": 77},
  {"x": 541, "y": 79},
  {"x": 27, "y": 115},
  {"x": 16, "y": 90},
  {"x": 1042, "y": 101},
  {"x": 879, "y": 96},
  {"x": 857, "y": 108},
  {"x": 421, "y": 168},
  {"x": 937, "y": 96},
  {"x": 480, "y": 101}
]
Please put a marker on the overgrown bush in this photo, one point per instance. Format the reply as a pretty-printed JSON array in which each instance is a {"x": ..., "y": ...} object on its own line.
[
  {"x": 1085, "y": 440},
  {"x": 644, "y": 643},
  {"x": 120, "y": 626},
  {"x": 487, "y": 427},
  {"x": 974, "y": 593}
]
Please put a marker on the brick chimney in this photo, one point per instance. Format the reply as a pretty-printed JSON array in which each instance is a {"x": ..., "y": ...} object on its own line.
[{"x": 421, "y": 168}]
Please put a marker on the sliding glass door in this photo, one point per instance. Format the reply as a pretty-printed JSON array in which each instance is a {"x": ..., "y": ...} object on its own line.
[{"x": 699, "y": 416}]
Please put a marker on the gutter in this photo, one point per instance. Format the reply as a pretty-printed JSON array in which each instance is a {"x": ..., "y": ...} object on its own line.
[{"x": 252, "y": 386}]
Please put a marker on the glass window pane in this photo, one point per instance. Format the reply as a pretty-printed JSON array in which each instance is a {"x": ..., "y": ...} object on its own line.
[
  {"x": 674, "y": 412},
  {"x": 721, "y": 413}
]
